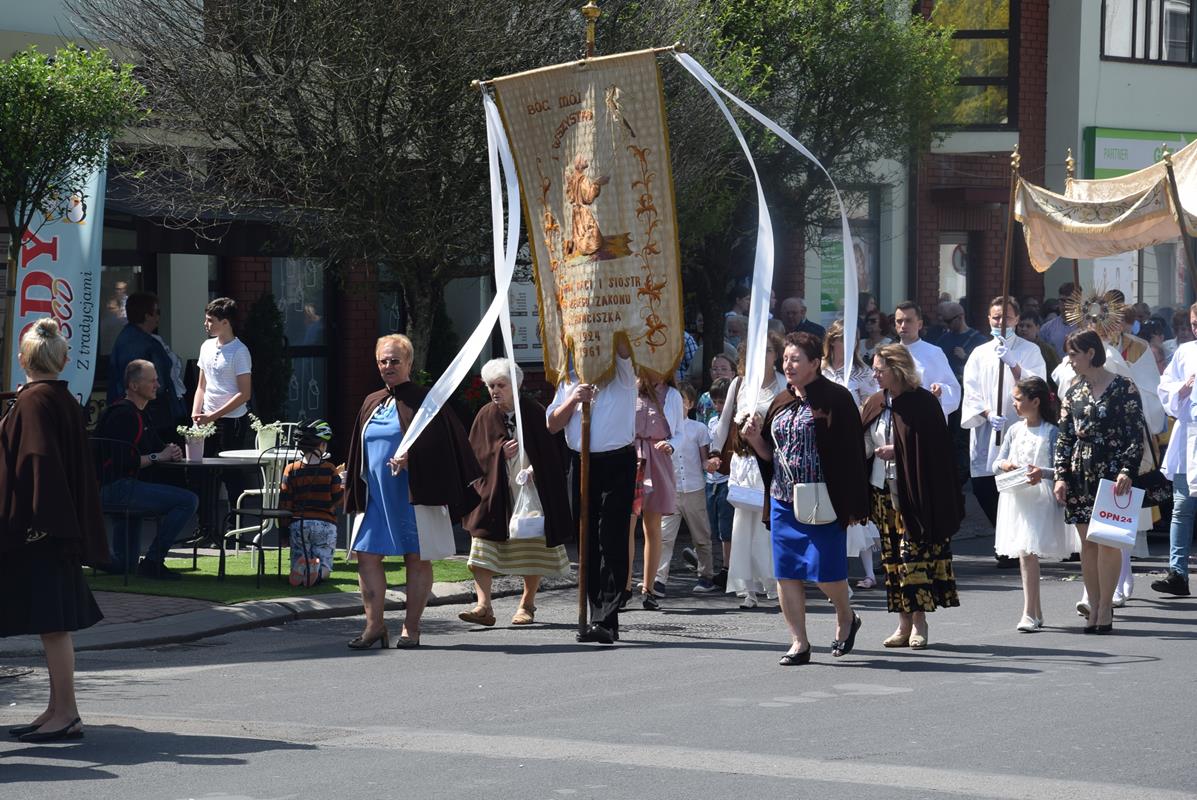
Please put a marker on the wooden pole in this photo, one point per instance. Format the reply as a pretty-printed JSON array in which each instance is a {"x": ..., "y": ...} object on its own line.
[
  {"x": 583, "y": 517},
  {"x": 1185, "y": 237},
  {"x": 1070, "y": 168},
  {"x": 591, "y": 12},
  {"x": 1014, "y": 160}
]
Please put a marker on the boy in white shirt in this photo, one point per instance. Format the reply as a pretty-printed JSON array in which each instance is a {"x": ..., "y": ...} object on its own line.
[
  {"x": 224, "y": 388},
  {"x": 690, "y": 455}
]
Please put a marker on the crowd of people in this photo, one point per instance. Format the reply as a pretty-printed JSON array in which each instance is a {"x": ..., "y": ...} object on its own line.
[{"x": 766, "y": 479}]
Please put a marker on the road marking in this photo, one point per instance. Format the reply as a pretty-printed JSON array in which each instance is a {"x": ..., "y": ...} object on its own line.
[{"x": 999, "y": 786}]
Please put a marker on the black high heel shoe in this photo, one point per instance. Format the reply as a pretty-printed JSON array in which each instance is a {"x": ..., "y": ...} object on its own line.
[
  {"x": 384, "y": 640},
  {"x": 843, "y": 648},
  {"x": 21, "y": 730},
  {"x": 649, "y": 602}
]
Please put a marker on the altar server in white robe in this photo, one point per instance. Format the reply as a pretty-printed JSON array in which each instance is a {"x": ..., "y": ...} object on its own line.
[
  {"x": 981, "y": 413},
  {"x": 935, "y": 372},
  {"x": 1180, "y": 462}
]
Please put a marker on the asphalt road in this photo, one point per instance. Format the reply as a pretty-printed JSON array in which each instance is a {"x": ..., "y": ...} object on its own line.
[{"x": 690, "y": 705}]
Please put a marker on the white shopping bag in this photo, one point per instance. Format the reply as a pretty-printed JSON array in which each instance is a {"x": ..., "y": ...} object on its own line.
[{"x": 1115, "y": 519}]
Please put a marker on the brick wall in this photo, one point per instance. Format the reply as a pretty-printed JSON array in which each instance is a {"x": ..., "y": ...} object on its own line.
[{"x": 984, "y": 178}]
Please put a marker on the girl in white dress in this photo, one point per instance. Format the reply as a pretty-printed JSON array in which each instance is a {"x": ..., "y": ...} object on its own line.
[
  {"x": 1030, "y": 523},
  {"x": 863, "y": 540},
  {"x": 750, "y": 567}
]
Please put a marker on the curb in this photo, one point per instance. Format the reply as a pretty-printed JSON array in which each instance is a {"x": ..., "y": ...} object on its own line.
[{"x": 194, "y": 625}]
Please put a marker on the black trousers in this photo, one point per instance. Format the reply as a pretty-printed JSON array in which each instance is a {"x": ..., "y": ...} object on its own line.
[
  {"x": 612, "y": 486},
  {"x": 985, "y": 490},
  {"x": 231, "y": 434}
]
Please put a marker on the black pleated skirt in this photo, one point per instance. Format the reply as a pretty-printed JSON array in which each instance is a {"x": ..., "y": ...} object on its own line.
[{"x": 42, "y": 590}]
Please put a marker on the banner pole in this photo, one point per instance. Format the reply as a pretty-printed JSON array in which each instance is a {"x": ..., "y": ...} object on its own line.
[
  {"x": 1015, "y": 158},
  {"x": 10, "y": 310},
  {"x": 583, "y": 516},
  {"x": 1185, "y": 238}
]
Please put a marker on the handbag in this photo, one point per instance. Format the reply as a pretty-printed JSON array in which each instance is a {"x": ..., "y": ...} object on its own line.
[
  {"x": 527, "y": 521},
  {"x": 812, "y": 501},
  {"x": 1114, "y": 520},
  {"x": 745, "y": 486},
  {"x": 1157, "y": 489}
]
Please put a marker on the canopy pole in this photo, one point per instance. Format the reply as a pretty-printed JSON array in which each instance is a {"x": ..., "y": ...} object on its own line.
[
  {"x": 1185, "y": 237},
  {"x": 1070, "y": 169},
  {"x": 1015, "y": 158}
]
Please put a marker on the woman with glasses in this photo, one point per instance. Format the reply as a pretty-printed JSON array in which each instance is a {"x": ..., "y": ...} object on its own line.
[
  {"x": 873, "y": 336},
  {"x": 917, "y": 504},
  {"x": 406, "y": 506}
]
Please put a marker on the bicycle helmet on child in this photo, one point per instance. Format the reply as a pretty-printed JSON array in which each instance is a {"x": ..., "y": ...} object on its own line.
[{"x": 312, "y": 433}]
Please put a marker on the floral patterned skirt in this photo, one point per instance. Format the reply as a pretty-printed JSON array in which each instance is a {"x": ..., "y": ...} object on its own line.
[{"x": 918, "y": 577}]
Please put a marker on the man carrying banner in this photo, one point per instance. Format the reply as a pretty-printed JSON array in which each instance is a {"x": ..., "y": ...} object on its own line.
[
  {"x": 612, "y": 483},
  {"x": 935, "y": 373}
]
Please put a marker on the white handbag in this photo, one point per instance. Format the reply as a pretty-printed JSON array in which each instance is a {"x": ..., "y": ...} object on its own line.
[
  {"x": 745, "y": 486},
  {"x": 812, "y": 501}
]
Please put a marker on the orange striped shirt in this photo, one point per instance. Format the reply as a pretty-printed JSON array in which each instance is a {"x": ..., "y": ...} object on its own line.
[{"x": 311, "y": 491}]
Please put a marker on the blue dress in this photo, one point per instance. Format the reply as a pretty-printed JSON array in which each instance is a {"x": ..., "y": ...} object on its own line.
[
  {"x": 801, "y": 551},
  {"x": 389, "y": 525}
]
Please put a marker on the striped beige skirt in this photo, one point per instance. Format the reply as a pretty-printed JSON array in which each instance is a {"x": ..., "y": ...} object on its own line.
[{"x": 519, "y": 557}]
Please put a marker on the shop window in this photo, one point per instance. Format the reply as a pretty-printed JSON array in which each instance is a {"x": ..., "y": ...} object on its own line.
[
  {"x": 953, "y": 266},
  {"x": 985, "y": 94},
  {"x": 1154, "y": 31},
  {"x": 117, "y": 282},
  {"x": 300, "y": 291}
]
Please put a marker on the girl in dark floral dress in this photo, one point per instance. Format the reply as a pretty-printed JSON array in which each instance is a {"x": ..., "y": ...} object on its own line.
[{"x": 1101, "y": 426}]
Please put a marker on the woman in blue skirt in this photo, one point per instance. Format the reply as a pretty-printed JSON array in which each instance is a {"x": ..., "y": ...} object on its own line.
[{"x": 818, "y": 486}]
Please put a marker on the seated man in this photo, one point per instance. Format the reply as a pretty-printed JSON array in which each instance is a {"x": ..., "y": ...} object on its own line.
[{"x": 126, "y": 421}]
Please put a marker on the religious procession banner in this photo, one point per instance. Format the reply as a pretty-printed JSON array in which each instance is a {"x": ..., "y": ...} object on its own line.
[
  {"x": 1105, "y": 217},
  {"x": 592, "y": 155}
]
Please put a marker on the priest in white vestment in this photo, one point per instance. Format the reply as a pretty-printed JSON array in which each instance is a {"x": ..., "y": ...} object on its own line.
[
  {"x": 1180, "y": 463},
  {"x": 980, "y": 413},
  {"x": 935, "y": 373}
]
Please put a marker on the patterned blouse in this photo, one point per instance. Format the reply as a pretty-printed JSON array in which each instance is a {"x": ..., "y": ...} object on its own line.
[{"x": 795, "y": 454}]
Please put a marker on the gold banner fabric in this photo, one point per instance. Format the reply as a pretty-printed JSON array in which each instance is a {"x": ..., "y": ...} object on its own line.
[
  {"x": 591, "y": 150},
  {"x": 1105, "y": 217}
]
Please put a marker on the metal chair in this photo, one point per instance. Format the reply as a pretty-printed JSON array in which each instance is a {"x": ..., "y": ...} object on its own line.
[
  {"x": 116, "y": 459},
  {"x": 271, "y": 463}
]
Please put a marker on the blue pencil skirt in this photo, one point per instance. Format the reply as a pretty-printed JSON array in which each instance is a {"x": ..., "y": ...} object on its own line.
[{"x": 804, "y": 552}]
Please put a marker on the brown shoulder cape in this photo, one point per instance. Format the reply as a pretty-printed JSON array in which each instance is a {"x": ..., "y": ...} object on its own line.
[
  {"x": 929, "y": 495},
  {"x": 490, "y": 518},
  {"x": 837, "y": 428},
  {"x": 441, "y": 464},
  {"x": 47, "y": 479}
]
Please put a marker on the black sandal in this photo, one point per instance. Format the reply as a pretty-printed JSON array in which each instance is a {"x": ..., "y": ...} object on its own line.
[
  {"x": 795, "y": 659},
  {"x": 843, "y": 648}
]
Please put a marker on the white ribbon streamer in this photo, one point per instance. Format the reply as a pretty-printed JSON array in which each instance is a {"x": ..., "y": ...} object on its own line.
[
  {"x": 499, "y": 149},
  {"x": 762, "y": 271}
]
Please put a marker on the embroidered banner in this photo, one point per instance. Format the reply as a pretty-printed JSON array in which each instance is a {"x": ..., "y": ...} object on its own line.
[{"x": 592, "y": 155}]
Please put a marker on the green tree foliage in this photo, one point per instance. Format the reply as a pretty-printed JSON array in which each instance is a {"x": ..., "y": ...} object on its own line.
[
  {"x": 57, "y": 115},
  {"x": 978, "y": 58}
]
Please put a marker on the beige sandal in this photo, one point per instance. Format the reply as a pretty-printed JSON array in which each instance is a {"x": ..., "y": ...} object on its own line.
[
  {"x": 897, "y": 640},
  {"x": 524, "y": 616},
  {"x": 478, "y": 615}
]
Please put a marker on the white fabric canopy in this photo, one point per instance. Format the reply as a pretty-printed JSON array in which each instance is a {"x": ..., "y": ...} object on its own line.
[{"x": 1106, "y": 217}]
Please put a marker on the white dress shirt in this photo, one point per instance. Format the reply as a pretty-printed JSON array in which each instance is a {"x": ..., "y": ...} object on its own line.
[
  {"x": 1177, "y": 458},
  {"x": 612, "y": 412},
  {"x": 688, "y": 468},
  {"x": 981, "y": 396}
]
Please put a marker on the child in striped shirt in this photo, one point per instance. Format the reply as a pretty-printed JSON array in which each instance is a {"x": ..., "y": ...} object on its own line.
[{"x": 311, "y": 490}]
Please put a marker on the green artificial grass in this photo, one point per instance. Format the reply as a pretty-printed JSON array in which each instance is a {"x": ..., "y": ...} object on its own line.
[{"x": 238, "y": 585}]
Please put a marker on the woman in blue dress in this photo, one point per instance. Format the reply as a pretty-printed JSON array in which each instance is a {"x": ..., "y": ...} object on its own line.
[
  {"x": 802, "y": 440},
  {"x": 407, "y": 506}
]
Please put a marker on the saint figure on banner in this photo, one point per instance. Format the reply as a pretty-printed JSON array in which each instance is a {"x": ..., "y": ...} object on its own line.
[{"x": 581, "y": 192}]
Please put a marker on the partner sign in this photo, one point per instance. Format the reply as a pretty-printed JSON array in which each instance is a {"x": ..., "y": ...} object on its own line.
[{"x": 58, "y": 275}]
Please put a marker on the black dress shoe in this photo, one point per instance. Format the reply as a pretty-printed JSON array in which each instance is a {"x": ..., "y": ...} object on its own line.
[
  {"x": 1103, "y": 629},
  {"x": 55, "y": 736},
  {"x": 795, "y": 659},
  {"x": 649, "y": 602},
  {"x": 598, "y": 633},
  {"x": 21, "y": 730},
  {"x": 843, "y": 648},
  {"x": 1089, "y": 629}
]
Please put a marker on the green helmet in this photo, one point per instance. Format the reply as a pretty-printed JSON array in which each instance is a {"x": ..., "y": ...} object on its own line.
[{"x": 312, "y": 433}]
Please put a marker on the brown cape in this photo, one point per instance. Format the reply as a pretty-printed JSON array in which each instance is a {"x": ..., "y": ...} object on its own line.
[
  {"x": 837, "y": 424},
  {"x": 489, "y": 520},
  {"x": 440, "y": 466},
  {"x": 47, "y": 479},
  {"x": 929, "y": 495}
]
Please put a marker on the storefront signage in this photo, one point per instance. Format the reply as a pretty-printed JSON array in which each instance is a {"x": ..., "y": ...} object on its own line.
[{"x": 1114, "y": 152}]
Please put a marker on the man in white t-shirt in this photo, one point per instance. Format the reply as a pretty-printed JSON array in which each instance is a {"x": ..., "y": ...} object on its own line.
[
  {"x": 224, "y": 388},
  {"x": 612, "y": 483}
]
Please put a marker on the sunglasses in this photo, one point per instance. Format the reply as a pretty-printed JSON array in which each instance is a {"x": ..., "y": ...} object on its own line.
[{"x": 390, "y": 362}]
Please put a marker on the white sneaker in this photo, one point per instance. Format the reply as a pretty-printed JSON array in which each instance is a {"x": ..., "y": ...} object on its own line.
[
  {"x": 1029, "y": 624},
  {"x": 1082, "y": 608},
  {"x": 749, "y": 600},
  {"x": 1119, "y": 598}
]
